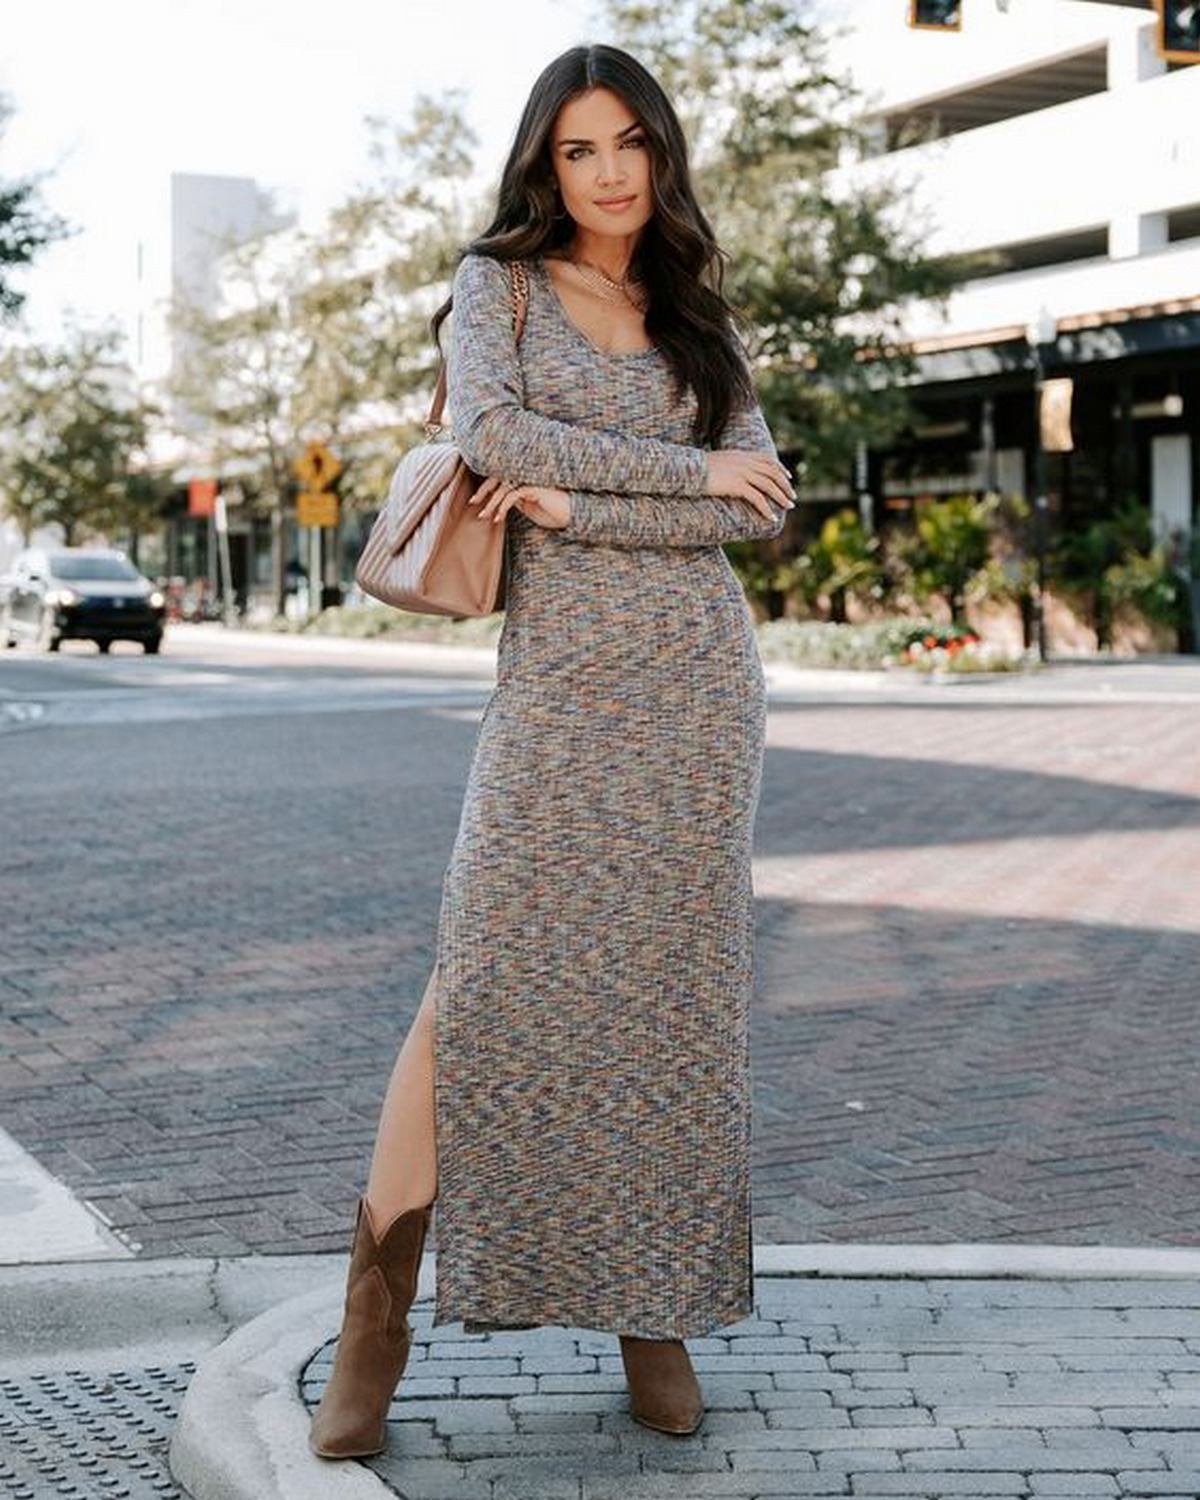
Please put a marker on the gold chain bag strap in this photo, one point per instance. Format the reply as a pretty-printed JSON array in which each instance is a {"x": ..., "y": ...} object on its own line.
[{"x": 427, "y": 551}]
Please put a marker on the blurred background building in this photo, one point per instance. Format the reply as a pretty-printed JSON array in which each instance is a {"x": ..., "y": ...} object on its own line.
[
  {"x": 210, "y": 214},
  {"x": 1054, "y": 136}
]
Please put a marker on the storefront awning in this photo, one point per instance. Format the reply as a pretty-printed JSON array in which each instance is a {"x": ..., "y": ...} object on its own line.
[{"x": 1129, "y": 338}]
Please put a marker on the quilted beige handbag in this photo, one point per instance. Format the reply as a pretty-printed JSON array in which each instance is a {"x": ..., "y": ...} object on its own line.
[{"x": 427, "y": 551}]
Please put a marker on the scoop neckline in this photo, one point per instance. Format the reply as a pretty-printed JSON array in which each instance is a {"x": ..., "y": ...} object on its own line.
[{"x": 573, "y": 327}]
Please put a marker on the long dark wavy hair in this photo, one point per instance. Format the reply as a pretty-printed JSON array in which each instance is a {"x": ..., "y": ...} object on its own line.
[{"x": 677, "y": 255}]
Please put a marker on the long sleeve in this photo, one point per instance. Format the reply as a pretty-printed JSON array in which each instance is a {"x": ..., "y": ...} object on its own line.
[
  {"x": 665, "y": 521},
  {"x": 498, "y": 436}
]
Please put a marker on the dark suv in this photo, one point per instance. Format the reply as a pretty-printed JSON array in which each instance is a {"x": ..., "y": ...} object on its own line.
[{"x": 80, "y": 593}]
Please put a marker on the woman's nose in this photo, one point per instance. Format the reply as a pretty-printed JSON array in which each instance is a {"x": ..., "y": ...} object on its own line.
[{"x": 610, "y": 169}]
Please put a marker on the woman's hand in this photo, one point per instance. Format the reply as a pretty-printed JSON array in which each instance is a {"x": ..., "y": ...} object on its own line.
[
  {"x": 495, "y": 497},
  {"x": 742, "y": 474}
]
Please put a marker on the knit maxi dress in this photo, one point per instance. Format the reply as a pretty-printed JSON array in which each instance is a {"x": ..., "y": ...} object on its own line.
[{"x": 595, "y": 943}]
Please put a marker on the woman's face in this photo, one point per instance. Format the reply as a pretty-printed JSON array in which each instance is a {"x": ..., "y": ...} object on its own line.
[{"x": 601, "y": 159}]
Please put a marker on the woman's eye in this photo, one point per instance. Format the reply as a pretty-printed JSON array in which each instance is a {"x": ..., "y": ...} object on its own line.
[{"x": 574, "y": 153}]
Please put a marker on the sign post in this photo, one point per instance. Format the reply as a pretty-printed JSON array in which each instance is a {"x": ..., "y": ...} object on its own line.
[
  {"x": 316, "y": 508},
  {"x": 225, "y": 568}
]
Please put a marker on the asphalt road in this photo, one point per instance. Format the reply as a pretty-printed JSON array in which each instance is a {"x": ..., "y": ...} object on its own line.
[{"x": 979, "y": 940}]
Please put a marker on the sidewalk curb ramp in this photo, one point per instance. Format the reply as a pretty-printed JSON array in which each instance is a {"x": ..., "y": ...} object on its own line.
[{"x": 242, "y": 1432}]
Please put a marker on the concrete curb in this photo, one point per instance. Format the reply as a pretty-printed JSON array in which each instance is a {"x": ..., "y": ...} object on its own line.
[
  {"x": 108, "y": 1314},
  {"x": 242, "y": 1432},
  {"x": 414, "y": 651},
  {"x": 984, "y": 1260}
]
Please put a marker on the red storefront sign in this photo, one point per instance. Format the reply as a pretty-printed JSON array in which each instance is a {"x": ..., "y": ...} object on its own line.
[{"x": 202, "y": 497}]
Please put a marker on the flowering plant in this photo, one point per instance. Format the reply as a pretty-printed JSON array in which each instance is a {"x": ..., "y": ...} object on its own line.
[
  {"x": 946, "y": 638},
  {"x": 951, "y": 649},
  {"x": 890, "y": 644}
]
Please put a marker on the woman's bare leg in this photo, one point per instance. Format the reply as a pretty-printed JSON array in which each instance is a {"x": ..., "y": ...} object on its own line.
[
  {"x": 404, "y": 1164},
  {"x": 373, "y": 1344}
]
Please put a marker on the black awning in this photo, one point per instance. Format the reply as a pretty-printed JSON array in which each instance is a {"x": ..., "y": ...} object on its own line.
[{"x": 1165, "y": 334}]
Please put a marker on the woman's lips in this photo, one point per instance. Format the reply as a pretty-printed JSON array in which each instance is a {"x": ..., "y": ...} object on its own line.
[{"x": 617, "y": 205}]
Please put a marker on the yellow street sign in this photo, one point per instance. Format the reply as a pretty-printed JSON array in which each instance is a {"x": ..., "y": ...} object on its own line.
[
  {"x": 318, "y": 468},
  {"x": 316, "y": 509}
]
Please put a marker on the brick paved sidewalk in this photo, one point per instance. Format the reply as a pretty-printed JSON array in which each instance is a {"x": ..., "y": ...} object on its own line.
[
  {"x": 864, "y": 1388},
  {"x": 979, "y": 973},
  {"x": 979, "y": 928}
]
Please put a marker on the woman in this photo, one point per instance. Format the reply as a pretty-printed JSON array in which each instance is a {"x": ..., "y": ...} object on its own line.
[{"x": 586, "y": 1129}]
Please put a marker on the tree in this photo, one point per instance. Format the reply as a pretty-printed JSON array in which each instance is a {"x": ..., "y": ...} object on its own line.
[
  {"x": 72, "y": 452},
  {"x": 236, "y": 387},
  {"x": 819, "y": 270},
  {"x": 25, "y": 227},
  {"x": 325, "y": 336},
  {"x": 384, "y": 257}
]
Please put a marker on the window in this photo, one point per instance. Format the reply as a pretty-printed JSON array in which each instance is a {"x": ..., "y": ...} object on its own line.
[{"x": 82, "y": 565}]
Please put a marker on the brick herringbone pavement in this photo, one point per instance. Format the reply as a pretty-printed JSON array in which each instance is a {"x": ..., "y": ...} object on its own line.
[
  {"x": 979, "y": 966},
  {"x": 980, "y": 974}
]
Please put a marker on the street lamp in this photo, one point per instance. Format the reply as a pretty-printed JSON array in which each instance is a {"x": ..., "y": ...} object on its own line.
[{"x": 1042, "y": 330}]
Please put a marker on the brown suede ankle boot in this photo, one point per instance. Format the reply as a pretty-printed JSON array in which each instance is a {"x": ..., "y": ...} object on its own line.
[
  {"x": 372, "y": 1348},
  {"x": 663, "y": 1389}
]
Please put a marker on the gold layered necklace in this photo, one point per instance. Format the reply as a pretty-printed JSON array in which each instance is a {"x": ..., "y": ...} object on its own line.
[{"x": 625, "y": 290}]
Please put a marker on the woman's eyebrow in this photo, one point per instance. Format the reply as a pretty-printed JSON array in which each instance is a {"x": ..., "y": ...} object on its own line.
[{"x": 581, "y": 141}]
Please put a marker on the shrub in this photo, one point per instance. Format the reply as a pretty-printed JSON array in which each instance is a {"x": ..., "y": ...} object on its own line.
[
  {"x": 1149, "y": 584},
  {"x": 843, "y": 563},
  {"x": 950, "y": 548},
  {"x": 921, "y": 643},
  {"x": 1113, "y": 562}
]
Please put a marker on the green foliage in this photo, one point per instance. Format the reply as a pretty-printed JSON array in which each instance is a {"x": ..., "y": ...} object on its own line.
[
  {"x": 72, "y": 451},
  {"x": 369, "y": 621},
  {"x": 843, "y": 563},
  {"x": 813, "y": 643},
  {"x": 764, "y": 571},
  {"x": 1147, "y": 583},
  {"x": 25, "y": 228},
  {"x": 919, "y": 643},
  {"x": 1085, "y": 554},
  {"x": 948, "y": 551},
  {"x": 1113, "y": 562},
  {"x": 820, "y": 274},
  {"x": 326, "y": 337},
  {"x": 403, "y": 231}
]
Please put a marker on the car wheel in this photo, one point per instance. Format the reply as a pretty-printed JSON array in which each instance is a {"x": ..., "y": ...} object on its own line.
[
  {"x": 46, "y": 638},
  {"x": 102, "y": 647},
  {"x": 151, "y": 646},
  {"x": 7, "y": 639}
]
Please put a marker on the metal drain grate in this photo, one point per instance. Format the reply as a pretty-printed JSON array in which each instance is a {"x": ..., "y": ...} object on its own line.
[{"x": 81, "y": 1435}]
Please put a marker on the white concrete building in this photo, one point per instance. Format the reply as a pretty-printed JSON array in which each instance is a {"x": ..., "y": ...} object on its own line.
[
  {"x": 1069, "y": 147},
  {"x": 207, "y": 213}
]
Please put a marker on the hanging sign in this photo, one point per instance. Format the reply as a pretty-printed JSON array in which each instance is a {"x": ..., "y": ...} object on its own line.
[{"x": 1055, "y": 413}]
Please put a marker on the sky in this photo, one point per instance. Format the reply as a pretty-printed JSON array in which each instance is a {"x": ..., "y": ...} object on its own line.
[
  {"x": 113, "y": 97},
  {"x": 110, "y": 98}
]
